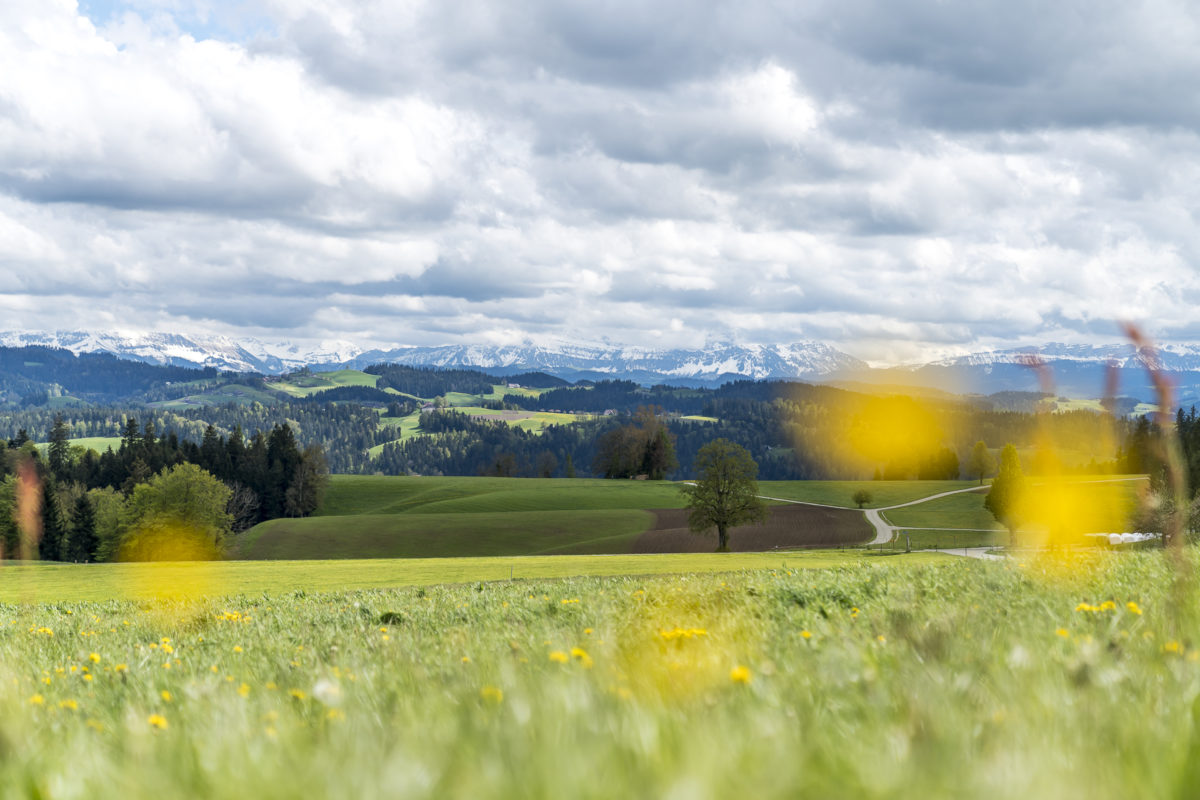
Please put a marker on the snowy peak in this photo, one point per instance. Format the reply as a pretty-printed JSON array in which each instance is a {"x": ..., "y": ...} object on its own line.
[
  {"x": 801, "y": 360},
  {"x": 713, "y": 363}
]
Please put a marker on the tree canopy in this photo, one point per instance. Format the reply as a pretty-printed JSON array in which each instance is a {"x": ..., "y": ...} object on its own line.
[{"x": 726, "y": 492}]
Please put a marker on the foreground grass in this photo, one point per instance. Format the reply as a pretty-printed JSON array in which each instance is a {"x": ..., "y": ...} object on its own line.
[
  {"x": 885, "y": 678},
  {"x": 33, "y": 583}
]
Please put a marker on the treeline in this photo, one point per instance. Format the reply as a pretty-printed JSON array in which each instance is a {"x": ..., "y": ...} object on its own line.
[
  {"x": 89, "y": 506},
  {"x": 346, "y": 431}
]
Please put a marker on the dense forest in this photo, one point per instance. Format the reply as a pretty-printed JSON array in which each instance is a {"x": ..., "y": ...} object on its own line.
[{"x": 91, "y": 504}]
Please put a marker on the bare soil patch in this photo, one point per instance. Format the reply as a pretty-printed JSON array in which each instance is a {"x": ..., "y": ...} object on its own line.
[{"x": 788, "y": 526}]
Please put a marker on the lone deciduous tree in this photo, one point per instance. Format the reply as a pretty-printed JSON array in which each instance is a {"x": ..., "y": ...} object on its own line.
[
  {"x": 726, "y": 491},
  {"x": 982, "y": 462},
  {"x": 1007, "y": 494},
  {"x": 862, "y": 497}
]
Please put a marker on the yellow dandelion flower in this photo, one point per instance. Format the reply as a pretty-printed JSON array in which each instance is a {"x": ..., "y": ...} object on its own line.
[
  {"x": 296, "y": 693},
  {"x": 587, "y": 631},
  {"x": 271, "y": 685},
  {"x": 213, "y": 668},
  {"x": 739, "y": 674},
  {"x": 1172, "y": 647},
  {"x": 1063, "y": 632},
  {"x": 881, "y": 639},
  {"x": 121, "y": 668},
  {"x": 47, "y": 680},
  {"x": 157, "y": 721},
  {"x": 70, "y": 705},
  {"x": 37, "y": 700},
  {"x": 1134, "y": 608},
  {"x": 559, "y": 657},
  {"x": 94, "y": 725},
  {"x": 1108, "y": 605},
  {"x": 87, "y": 677},
  {"x": 165, "y": 695},
  {"x": 237, "y": 648},
  {"x": 244, "y": 690},
  {"x": 168, "y": 649},
  {"x": 579, "y": 654},
  {"x": 94, "y": 658},
  {"x": 335, "y": 714},
  {"x": 806, "y": 634},
  {"x": 492, "y": 694},
  {"x": 466, "y": 659}
]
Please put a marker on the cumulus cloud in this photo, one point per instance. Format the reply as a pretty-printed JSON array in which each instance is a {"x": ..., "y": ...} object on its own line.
[{"x": 899, "y": 177}]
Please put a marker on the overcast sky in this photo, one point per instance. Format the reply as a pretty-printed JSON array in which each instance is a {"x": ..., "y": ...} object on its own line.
[{"x": 899, "y": 178}]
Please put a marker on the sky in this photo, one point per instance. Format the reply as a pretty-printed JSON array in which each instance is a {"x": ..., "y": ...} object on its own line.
[{"x": 902, "y": 179}]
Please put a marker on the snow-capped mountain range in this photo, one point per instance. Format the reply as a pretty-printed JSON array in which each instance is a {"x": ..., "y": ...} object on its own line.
[
  {"x": 1078, "y": 369},
  {"x": 713, "y": 363}
]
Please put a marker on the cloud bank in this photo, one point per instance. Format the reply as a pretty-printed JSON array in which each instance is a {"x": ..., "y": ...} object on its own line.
[{"x": 901, "y": 178}]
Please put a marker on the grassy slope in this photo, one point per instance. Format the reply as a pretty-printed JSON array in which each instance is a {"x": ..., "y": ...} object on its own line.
[
  {"x": 840, "y": 493},
  {"x": 101, "y": 582},
  {"x": 231, "y": 393},
  {"x": 374, "y": 494},
  {"x": 305, "y": 385},
  {"x": 97, "y": 443},
  {"x": 956, "y": 511}
]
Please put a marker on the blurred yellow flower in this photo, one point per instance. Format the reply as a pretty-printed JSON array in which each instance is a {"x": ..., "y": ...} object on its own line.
[
  {"x": 1133, "y": 608},
  {"x": 165, "y": 695},
  {"x": 94, "y": 658},
  {"x": 157, "y": 721},
  {"x": 492, "y": 694},
  {"x": 739, "y": 674},
  {"x": 37, "y": 700},
  {"x": 559, "y": 657}
]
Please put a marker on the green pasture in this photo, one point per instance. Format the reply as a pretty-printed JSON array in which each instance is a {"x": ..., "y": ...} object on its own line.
[
  {"x": 841, "y": 493},
  {"x": 956, "y": 511},
  {"x": 305, "y": 385},
  {"x": 55, "y": 582},
  {"x": 876, "y": 677},
  {"x": 97, "y": 443},
  {"x": 221, "y": 395},
  {"x": 378, "y": 494}
]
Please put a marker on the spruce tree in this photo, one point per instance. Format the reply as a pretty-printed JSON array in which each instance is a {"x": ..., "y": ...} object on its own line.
[
  {"x": 83, "y": 539},
  {"x": 50, "y": 546}
]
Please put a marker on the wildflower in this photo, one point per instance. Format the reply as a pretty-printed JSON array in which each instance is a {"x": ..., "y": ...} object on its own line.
[
  {"x": 244, "y": 690},
  {"x": 682, "y": 633},
  {"x": 805, "y": 634},
  {"x": 881, "y": 639},
  {"x": 70, "y": 705},
  {"x": 559, "y": 657},
  {"x": 168, "y": 649},
  {"x": 466, "y": 659},
  {"x": 739, "y": 674},
  {"x": 237, "y": 648},
  {"x": 296, "y": 693},
  {"x": 587, "y": 631},
  {"x": 1172, "y": 647},
  {"x": 47, "y": 680},
  {"x": 1063, "y": 632},
  {"x": 335, "y": 714},
  {"x": 37, "y": 700},
  {"x": 1108, "y": 605},
  {"x": 87, "y": 677},
  {"x": 94, "y": 725},
  {"x": 94, "y": 658},
  {"x": 165, "y": 695},
  {"x": 492, "y": 694},
  {"x": 581, "y": 655},
  {"x": 157, "y": 721},
  {"x": 121, "y": 668},
  {"x": 1134, "y": 608}
]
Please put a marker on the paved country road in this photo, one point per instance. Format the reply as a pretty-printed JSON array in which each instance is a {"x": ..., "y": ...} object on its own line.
[{"x": 885, "y": 531}]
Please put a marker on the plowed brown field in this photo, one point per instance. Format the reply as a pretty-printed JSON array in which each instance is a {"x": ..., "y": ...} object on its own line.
[{"x": 788, "y": 526}]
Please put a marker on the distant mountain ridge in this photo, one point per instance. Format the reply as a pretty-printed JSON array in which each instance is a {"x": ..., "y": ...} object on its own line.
[
  {"x": 1078, "y": 370},
  {"x": 711, "y": 365}
]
